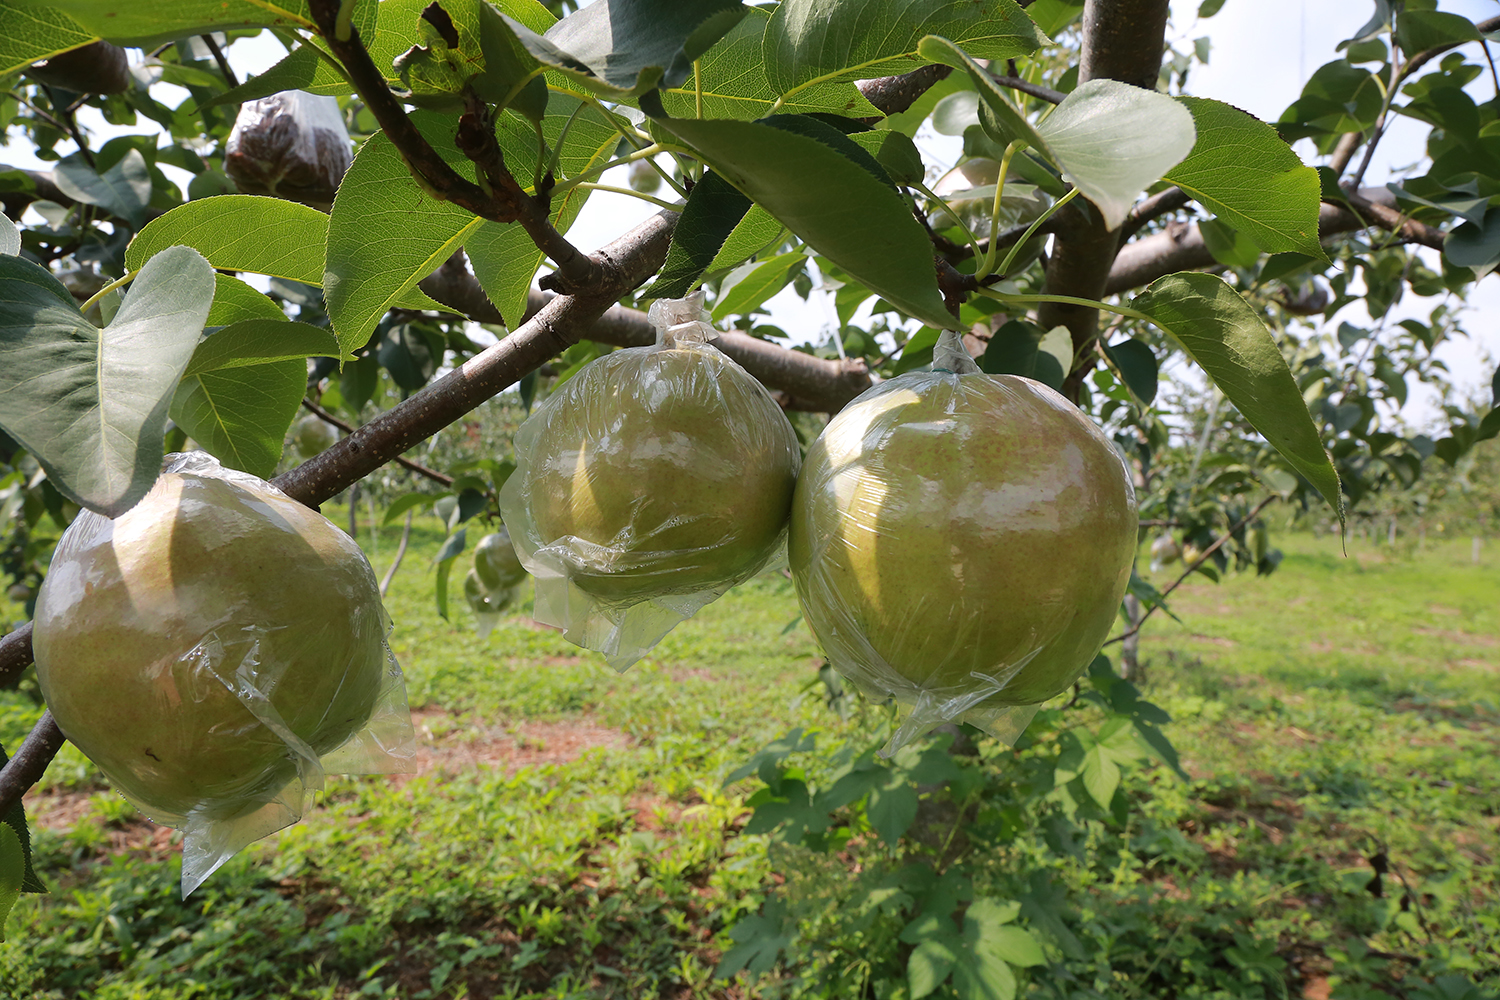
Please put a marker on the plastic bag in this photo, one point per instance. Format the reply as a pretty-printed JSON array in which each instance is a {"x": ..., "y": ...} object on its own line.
[
  {"x": 292, "y": 145},
  {"x": 215, "y": 650},
  {"x": 647, "y": 485},
  {"x": 961, "y": 542},
  {"x": 494, "y": 583}
]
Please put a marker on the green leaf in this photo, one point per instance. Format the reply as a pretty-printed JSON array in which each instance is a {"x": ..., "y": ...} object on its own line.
[
  {"x": 12, "y": 872},
  {"x": 512, "y": 78},
  {"x": 385, "y": 234},
  {"x": 1137, "y": 364},
  {"x": 1224, "y": 335},
  {"x": 892, "y": 809},
  {"x": 100, "y": 449},
  {"x": 1337, "y": 98},
  {"x": 240, "y": 415},
  {"x": 241, "y": 232},
  {"x": 261, "y": 341},
  {"x": 816, "y": 41},
  {"x": 451, "y": 549},
  {"x": 295, "y": 72},
  {"x": 145, "y": 23},
  {"x": 15, "y": 820},
  {"x": 623, "y": 48},
  {"x": 124, "y": 190},
  {"x": 713, "y": 210},
  {"x": 10, "y": 237},
  {"x": 759, "y": 939},
  {"x": 980, "y": 976},
  {"x": 754, "y": 234},
  {"x": 30, "y": 34},
  {"x": 410, "y": 501},
  {"x": 761, "y": 281},
  {"x": 1228, "y": 245},
  {"x": 1420, "y": 30},
  {"x": 1016, "y": 349},
  {"x": 1111, "y": 140},
  {"x": 825, "y": 190},
  {"x": 732, "y": 80},
  {"x": 504, "y": 258},
  {"x": 929, "y": 964},
  {"x": 1476, "y": 247},
  {"x": 1244, "y": 172},
  {"x": 895, "y": 152},
  {"x": 235, "y": 301}
]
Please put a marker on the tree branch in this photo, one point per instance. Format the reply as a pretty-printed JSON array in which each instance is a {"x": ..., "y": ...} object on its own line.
[
  {"x": 1180, "y": 246},
  {"x": 502, "y": 200},
  {"x": 348, "y": 428},
  {"x": 1153, "y": 208},
  {"x": 1032, "y": 89},
  {"x": 894, "y": 94},
  {"x": 1122, "y": 40}
]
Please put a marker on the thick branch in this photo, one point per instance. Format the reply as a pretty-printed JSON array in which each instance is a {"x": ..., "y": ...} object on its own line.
[
  {"x": 812, "y": 383},
  {"x": 1180, "y": 246},
  {"x": 502, "y": 200},
  {"x": 1122, "y": 40},
  {"x": 894, "y": 94},
  {"x": 30, "y": 762}
]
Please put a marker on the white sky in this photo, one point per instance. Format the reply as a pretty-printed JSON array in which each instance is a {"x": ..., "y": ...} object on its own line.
[{"x": 1262, "y": 51}]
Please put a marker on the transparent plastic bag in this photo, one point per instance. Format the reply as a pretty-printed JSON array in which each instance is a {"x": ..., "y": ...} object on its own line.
[
  {"x": 215, "y": 651},
  {"x": 960, "y": 542},
  {"x": 647, "y": 485},
  {"x": 292, "y": 145},
  {"x": 486, "y": 603}
]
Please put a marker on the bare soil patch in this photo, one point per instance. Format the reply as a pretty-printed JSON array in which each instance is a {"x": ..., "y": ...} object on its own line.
[{"x": 454, "y": 745}]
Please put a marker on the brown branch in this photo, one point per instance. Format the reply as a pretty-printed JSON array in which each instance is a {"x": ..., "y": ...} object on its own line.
[
  {"x": 1180, "y": 246},
  {"x": 812, "y": 383},
  {"x": 1031, "y": 89},
  {"x": 348, "y": 428},
  {"x": 1153, "y": 208},
  {"x": 894, "y": 94},
  {"x": 26, "y": 767},
  {"x": 1218, "y": 544},
  {"x": 1122, "y": 40},
  {"x": 218, "y": 54},
  {"x": 15, "y": 655},
  {"x": 500, "y": 200}
]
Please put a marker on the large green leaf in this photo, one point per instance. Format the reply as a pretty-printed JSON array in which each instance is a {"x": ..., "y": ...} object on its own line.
[
  {"x": 12, "y": 872},
  {"x": 831, "y": 193},
  {"x": 731, "y": 80},
  {"x": 756, "y": 283},
  {"x": 10, "y": 237},
  {"x": 91, "y": 405},
  {"x": 1242, "y": 171},
  {"x": 15, "y": 819},
  {"x": 29, "y": 34},
  {"x": 244, "y": 384},
  {"x": 714, "y": 208},
  {"x": 503, "y": 256},
  {"x": 753, "y": 234},
  {"x": 165, "y": 20},
  {"x": 1226, "y": 337},
  {"x": 385, "y": 234},
  {"x": 816, "y": 41},
  {"x": 1111, "y": 140},
  {"x": 123, "y": 190},
  {"x": 623, "y": 48}
]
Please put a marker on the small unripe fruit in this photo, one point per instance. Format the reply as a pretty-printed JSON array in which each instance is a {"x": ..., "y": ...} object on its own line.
[
  {"x": 644, "y": 178},
  {"x": 484, "y": 601},
  {"x": 312, "y": 435},
  {"x": 1165, "y": 550},
  {"x": 496, "y": 563}
]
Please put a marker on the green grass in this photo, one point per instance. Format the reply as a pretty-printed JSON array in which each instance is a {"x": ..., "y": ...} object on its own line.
[{"x": 570, "y": 836}]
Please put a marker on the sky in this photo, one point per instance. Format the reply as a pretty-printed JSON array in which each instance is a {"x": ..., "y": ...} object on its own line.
[{"x": 1261, "y": 52}]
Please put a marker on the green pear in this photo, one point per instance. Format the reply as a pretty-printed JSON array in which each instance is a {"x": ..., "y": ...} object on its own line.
[
  {"x": 153, "y": 631},
  {"x": 496, "y": 563},
  {"x": 484, "y": 600},
  {"x": 656, "y": 471},
  {"x": 952, "y": 525},
  {"x": 312, "y": 435}
]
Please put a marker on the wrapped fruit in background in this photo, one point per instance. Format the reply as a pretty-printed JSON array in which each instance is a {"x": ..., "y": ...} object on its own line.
[
  {"x": 961, "y": 542},
  {"x": 292, "y": 145},
  {"x": 312, "y": 435},
  {"x": 95, "y": 68},
  {"x": 647, "y": 485},
  {"x": 215, "y": 650},
  {"x": 494, "y": 584},
  {"x": 1164, "y": 552}
]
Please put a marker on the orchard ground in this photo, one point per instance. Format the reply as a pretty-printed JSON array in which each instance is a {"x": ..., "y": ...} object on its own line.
[{"x": 567, "y": 833}]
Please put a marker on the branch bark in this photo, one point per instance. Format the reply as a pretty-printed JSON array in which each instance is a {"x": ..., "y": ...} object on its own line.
[
  {"x": 1180, "y": 246},
  {"x": 1122, "y": 40}
]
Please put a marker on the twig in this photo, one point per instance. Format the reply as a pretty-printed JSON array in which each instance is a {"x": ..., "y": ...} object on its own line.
[
  {"x": 402, "y": 461},
  {"x": 390, "y": 574},
  {"x": 1153, "y": 208},
  {"x": 1030, "y": 89},
  {"x": 501, "y": 199},
  {"x": 30, "y": 762},
  {"x": 218, "y": 55},
  {"x": 1189, "y": 571}
]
